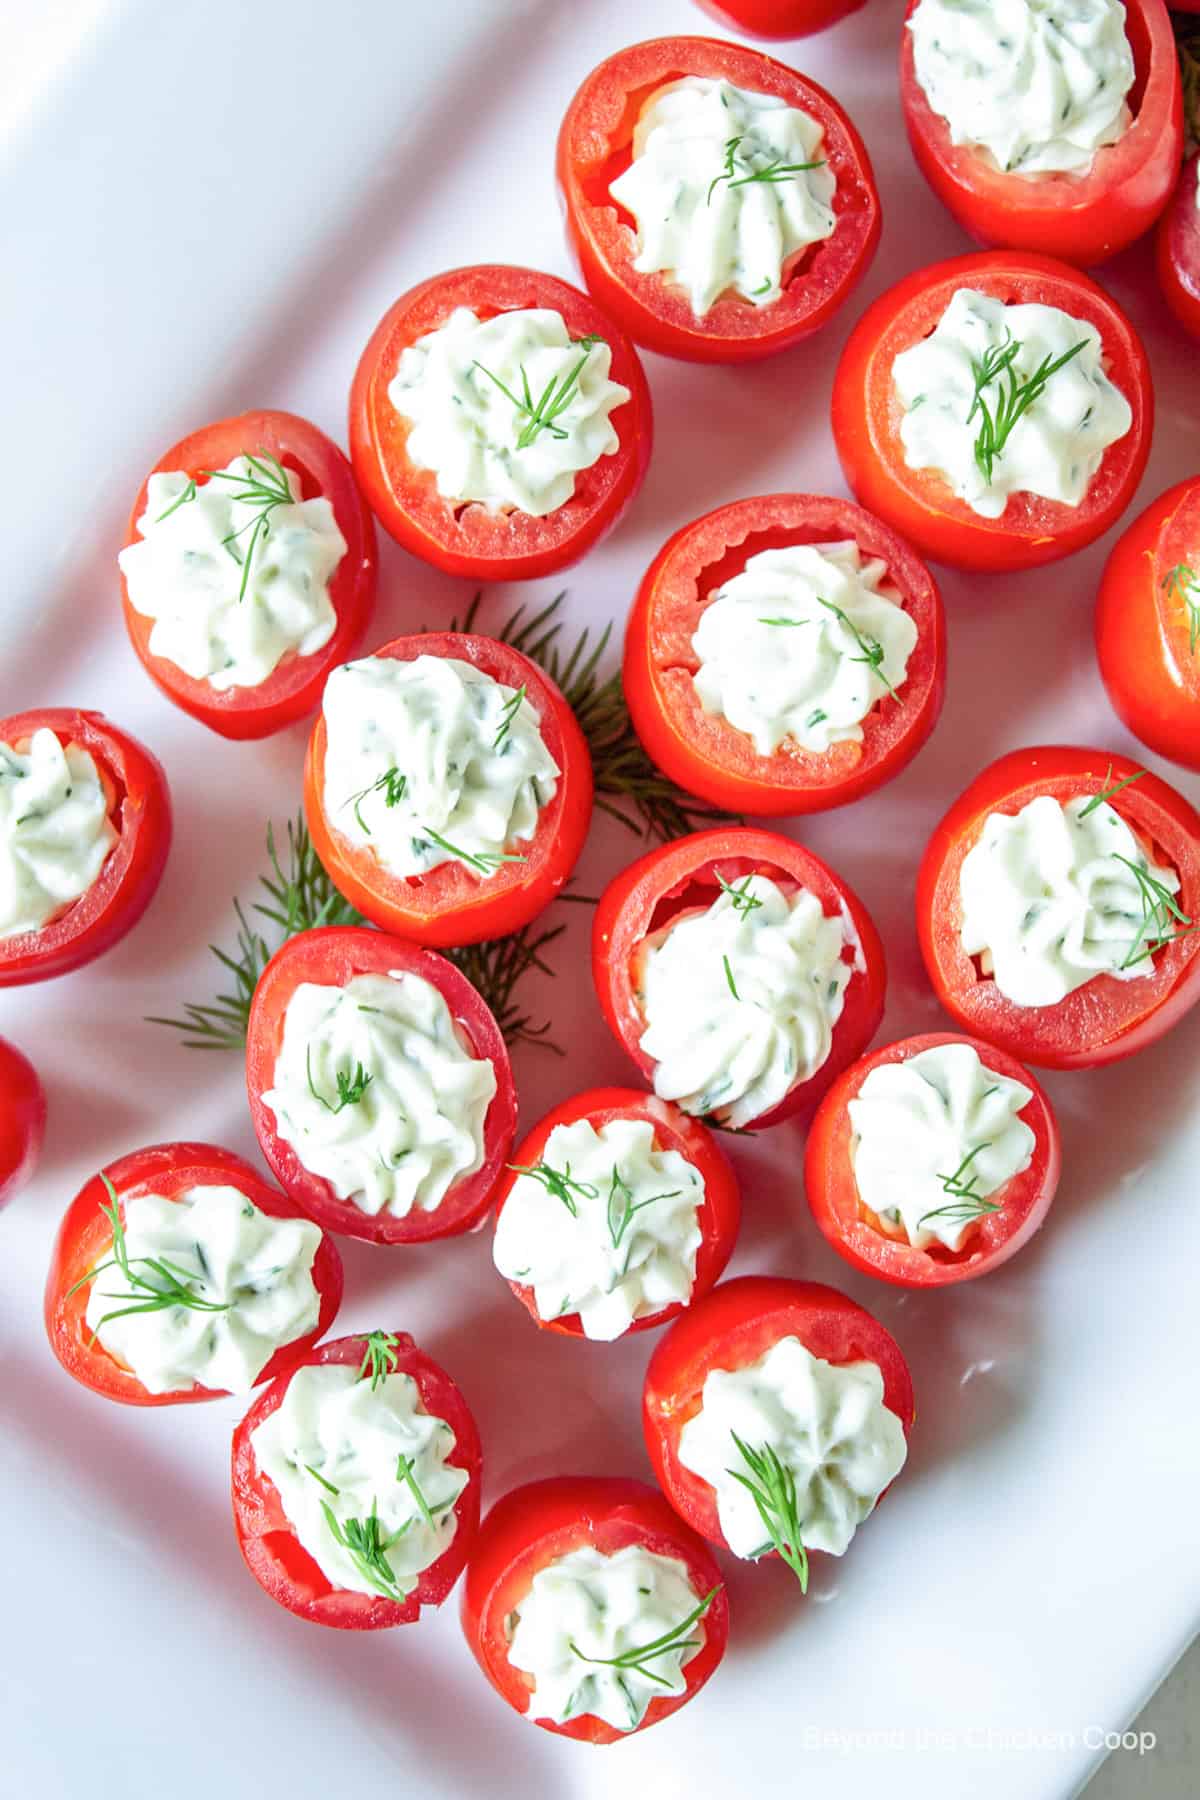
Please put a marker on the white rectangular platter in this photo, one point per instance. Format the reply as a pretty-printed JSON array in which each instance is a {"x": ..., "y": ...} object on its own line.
[{"x": 208, "y": 211}]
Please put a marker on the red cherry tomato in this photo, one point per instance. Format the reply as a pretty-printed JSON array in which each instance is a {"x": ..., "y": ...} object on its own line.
[
  {"x": 1147, "y": 630},
  {"x": 595, "y": 146},
  {"x": 684, "y": 875},
  {"x": 918, "y": 503},
  {"x": 531, "y": 1528},
  {"x": 22, "y": 1119},
  {"x": 473, "y": 540},
  {"x": 293, "y": 689},
  {"x": 854, "y": 1230},
  {"x": 735, "y": 1325},
  {"x": 267, "y": 1538},
  {"x": 331, "y": 956},
  {"x": 1177, "y": 250},
  {"x": 1083, "y": 218},
  {"x": 702, "y": 752},
  {"x": 85, "y": 1239},
  {"x": 1105, "y": 1019},
  {"x": 779, "y": 18},
  {"x": 719, "y": 1215},
  {"x": 140, "y": 810},
  {"x": 450, "y": 906}
]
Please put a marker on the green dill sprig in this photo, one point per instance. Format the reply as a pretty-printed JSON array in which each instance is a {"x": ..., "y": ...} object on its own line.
[
  {"x": 558, "y": 1182},
  {"x": 1109, "y": 793},
  {"x": 170, "y": 1286},
  {"x": 1015, "y": 397},
  {"x": 870, "y": 648},
  {"x": 543, "y": 413},
  {"x": 622, "y": 1207},
  {"x": 264, "y": 486},
  {"x": 367, "y": 1547},
  {"x": 404, "y": 1473},
  {"x": 740, "y": 898},
  {"x": 961, "y": 1212},
  {"x": 484, "y": 862},
  {"x": 1183, "y": 583},
  {"x": 775, "y": 171},
  {"x": 1188, "y": 45},
  {"x": 186, "y": 494},
  {"x": 497, "y": 969},
  {"x": 729, "y": 981},
  {"x": 1161, "y": 912},
  {"x": 511, "y": 708},
  {"x": 771, "y": 1484},
  {"x": 392, "y": 783},
  {"x": 640, "y": 1657},
  {"x": 381, "y": 1352},
  {"x": 350, "y": 1088}
]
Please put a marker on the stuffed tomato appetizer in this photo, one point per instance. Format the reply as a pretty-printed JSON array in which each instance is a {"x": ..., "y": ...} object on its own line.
[
  {"x": 932, "y": 1160},
  {"x": 499, "y": 423},
  {"x": 1148, "y": 625},
  {"x": 785, "y": 655},
  {"x": 448, "y": 787},
  {"x": 777, "y": 1415},
  {"x": 178, "y": 1274},
  {"x": 590, "y": 1608},
  {"x": 1178, "y": 249},
  {"x": 85, "y": 826},
  {"x": 996, "y": 410},
  {"x": 739, "y": 973},
  {"x": 779, "y": 18},
  {"x": 356, "y": 1480},
  {"x": 249, "y": 571},
  {"x": 1041, "y": 127},
  {"x": 1057, "y": 904},
  {"x": 22, "y": 1119},
  {"x": 720, "y": 205},
  {"x": 617, "y": 1211},
  {"x": 379, "y": 1085}
]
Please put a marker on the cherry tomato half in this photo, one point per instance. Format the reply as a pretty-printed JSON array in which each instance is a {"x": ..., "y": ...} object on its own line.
[
  {"x": 473, "y": 540},
  {"x": 702, "y": 752},
  {"x": 450, "y": 906},
  {"x": 293, "y": 689},
  {"x": 1177, "y": 249},
  {"x": 267, "y": 1538},
  {"x": 687, "y": 874},
  {"x": 532, "y": 1527},
  {"x": 85, "y": 1239},
  {"x": 1105, "y": 1019},
  {"x": 1082, "y": 218},
  {"x": 1148, "y": 625},
  {"x": 779, "y": 18},
  {"x": 852, "y": 1228},
  {"x": 140, "y": 811},
  {"x": 595, "y": 147},
  {"x": 22, "y": 1119},
  {"x": 720, "y": 1212},
  {"x": 735, "y": 1325},
  {"x": 917, "y": 502},
  {"x": 332, "y": 955}
]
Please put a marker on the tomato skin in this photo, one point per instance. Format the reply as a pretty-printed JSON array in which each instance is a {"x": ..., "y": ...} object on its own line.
[
  {"x": 22, "y": 1119},
  {"x": 595, "y": 136},
  {"x": 334, "y": 954},
  {"x": 533, "y": 1526},
  {"x": 780, "y": 18},
  {"x": 735, "y": 1325},
  {"x": 449, "y": 906},
  {"x": 918, "y": 504},
  {"x": 629, "y": 910},
  {"x": 294, "y": 688},
  {"x": 834, "y": 1201},
  {"x": 706, "y": 755},
  {"x": 268, "y": 1542},
  {"x": 84, "y": 1238},
  {"x": 720, "y": 1214},
  {"x": 1143, "y": 636},
  {"x": 125, "y": 886},
  {"x": 1177, "y": 251},
  {"x": 1106, "y": 1019},
  {"x": 478, "y": 544},
  {"x": 1084, "y": 219}
]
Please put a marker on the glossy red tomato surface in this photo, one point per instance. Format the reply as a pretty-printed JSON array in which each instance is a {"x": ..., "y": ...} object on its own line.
[
  {"x": 473, "y": 540},
  {"x": 450, "y": 905},
  {"x": 140, "y": 811},
  {"x": 1105, "y": 1019},
  {"x": 735, "y": 1325},
  {"x": 531, "y": 1528},
  {"x": 779, "y": 18},
  {"x": 719, "y": 1215},
  {"x": 1082, "y": 218},
  {"x": 854, "y": 1230},
  {"x": 331, "y": 956},
  {"x": 918, "y": 503},
  {"x": 683, "y": 875},
  {"x": 595, "y": 147},
  {"x": 1148, "y": 625},
  {"x": 22, "y": 1119},
  {"x": 85, "y": 1239},
  {"x": 293, "y": 689},
  {"x": 1177, "y": 250},
  {"x": 267, "y": 1538},
  {"x": 702, "y": 752}
]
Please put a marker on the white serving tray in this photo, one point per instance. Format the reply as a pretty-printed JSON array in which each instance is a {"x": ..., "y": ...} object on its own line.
[{"x": 208, "y": 211}]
